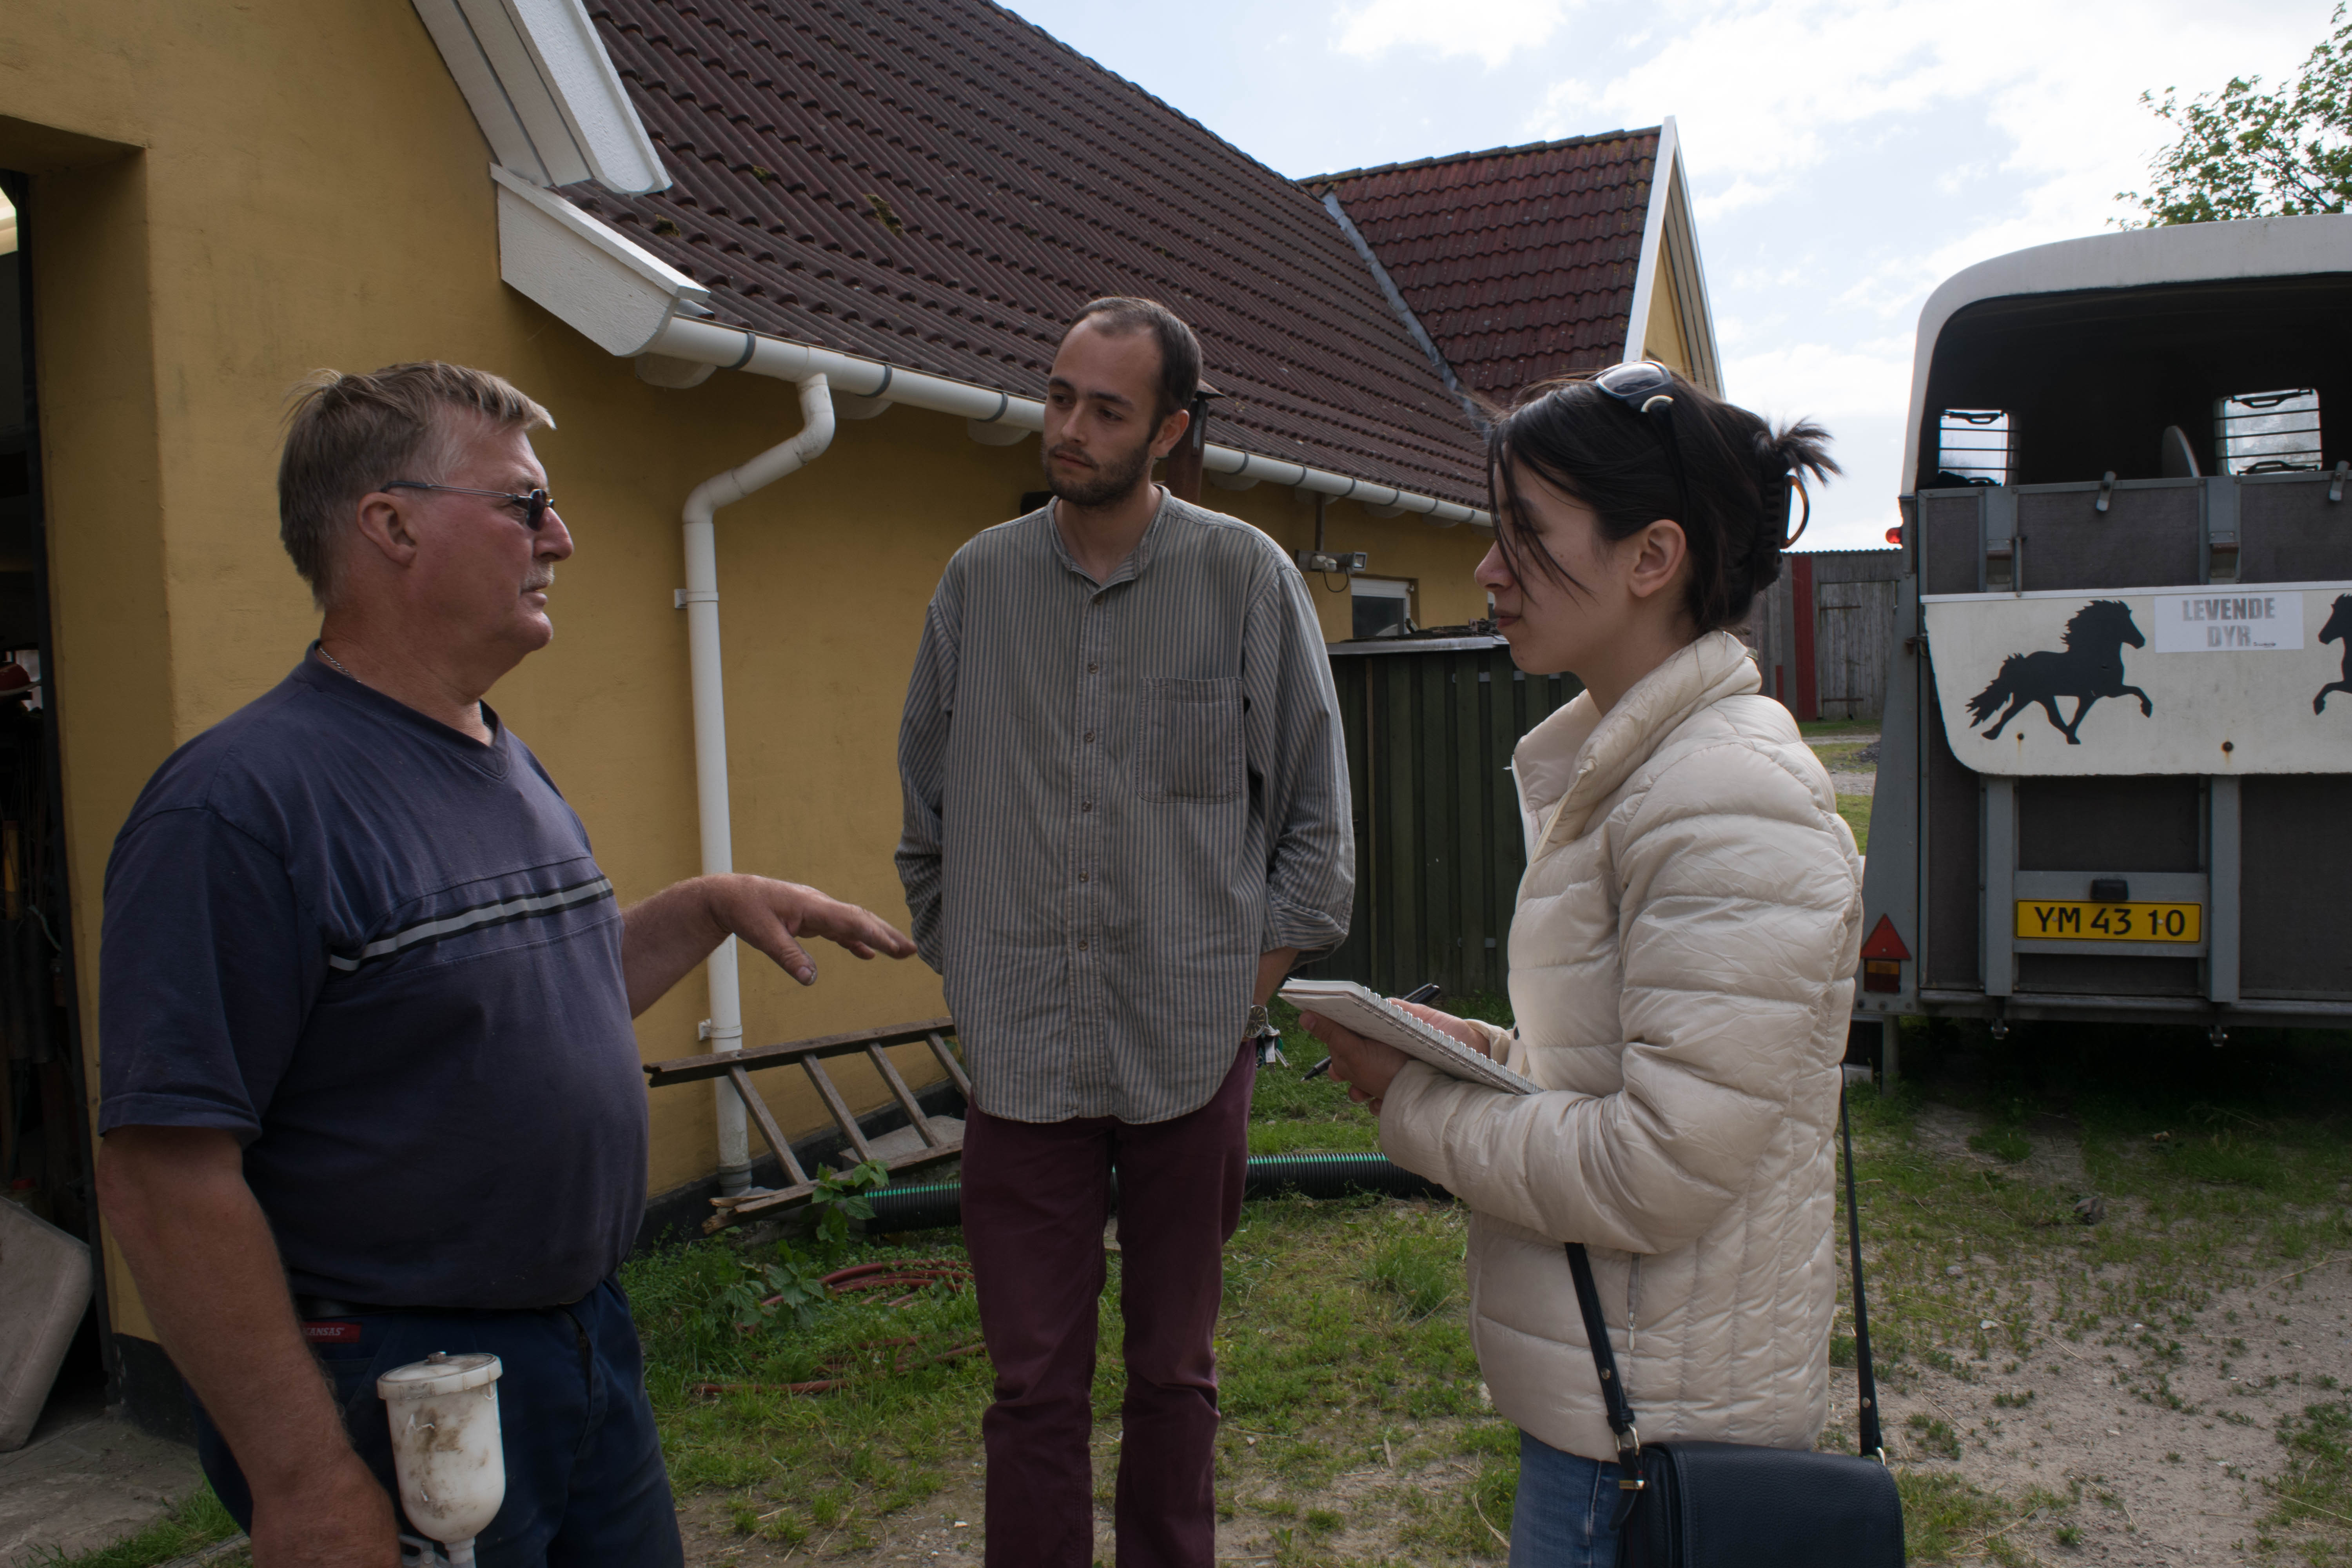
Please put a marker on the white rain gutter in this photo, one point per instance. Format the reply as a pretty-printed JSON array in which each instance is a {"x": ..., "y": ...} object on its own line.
[
  {"x": 732, "y": 348},
  {"x": 700, "y": 600}
]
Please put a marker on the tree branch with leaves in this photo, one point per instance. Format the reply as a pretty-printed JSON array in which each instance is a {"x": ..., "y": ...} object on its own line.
[{"x": 2244, "y": 152}]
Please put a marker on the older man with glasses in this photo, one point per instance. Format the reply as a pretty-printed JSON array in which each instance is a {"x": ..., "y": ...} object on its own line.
[{"x": 370, "y": 1086}]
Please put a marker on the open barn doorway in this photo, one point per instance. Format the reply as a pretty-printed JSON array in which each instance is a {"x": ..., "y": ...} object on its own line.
[{"x": 45, "y": 1137}]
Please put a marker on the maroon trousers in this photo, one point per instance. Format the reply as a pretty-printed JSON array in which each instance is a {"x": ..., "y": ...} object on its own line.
[{"x": 1036, "y": 1196}]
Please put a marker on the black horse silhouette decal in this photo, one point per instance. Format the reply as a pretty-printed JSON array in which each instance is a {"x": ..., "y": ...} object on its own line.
[
  {"x": 2090, "y": 666},
  {"x": 2338, "y": 629}
]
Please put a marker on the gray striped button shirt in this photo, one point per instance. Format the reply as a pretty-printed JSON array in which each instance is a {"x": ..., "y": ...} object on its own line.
[{"x": 1116, "y": 797}]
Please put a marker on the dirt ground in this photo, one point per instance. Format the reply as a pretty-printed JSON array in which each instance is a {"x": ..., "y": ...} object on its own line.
[{"x": 2160, "y": 1485}]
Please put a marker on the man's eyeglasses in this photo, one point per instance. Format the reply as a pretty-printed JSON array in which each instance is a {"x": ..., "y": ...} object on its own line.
[
  {"x": 535, "y": 505},
  {"x": 1647, "y": 388}
]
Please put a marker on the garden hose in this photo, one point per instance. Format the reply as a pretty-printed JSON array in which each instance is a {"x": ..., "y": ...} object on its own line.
[{"x": 937, "y": 1203}]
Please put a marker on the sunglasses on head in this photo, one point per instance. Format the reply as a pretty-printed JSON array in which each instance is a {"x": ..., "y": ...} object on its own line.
[
  {"x": 1647, "y": 388},
  {"x": 535, "y": 504}
]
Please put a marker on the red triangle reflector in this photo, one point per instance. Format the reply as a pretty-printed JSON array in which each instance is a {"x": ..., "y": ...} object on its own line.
[{"x": 1883, "y": 943}]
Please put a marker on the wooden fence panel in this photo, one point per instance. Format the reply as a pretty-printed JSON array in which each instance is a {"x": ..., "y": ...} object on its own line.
[
  {"x": 1438, "y": 844},
  {"x": 1854, "y": 633}
]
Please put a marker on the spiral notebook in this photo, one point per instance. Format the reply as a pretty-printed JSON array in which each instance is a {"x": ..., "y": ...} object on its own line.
[{"x": 1368, "y": 1014}]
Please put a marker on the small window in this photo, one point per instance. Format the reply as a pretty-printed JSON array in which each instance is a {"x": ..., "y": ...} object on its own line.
[
  {"x": 1972, "y": 446},
  {"x": 1383, "y": 608},
  {"x": 2269, "y": 432}
]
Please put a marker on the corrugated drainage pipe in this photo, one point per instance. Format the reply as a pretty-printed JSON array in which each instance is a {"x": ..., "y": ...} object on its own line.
[
  {"x": 937, "y": 1204},
  {"x": 700, "y": 600}
]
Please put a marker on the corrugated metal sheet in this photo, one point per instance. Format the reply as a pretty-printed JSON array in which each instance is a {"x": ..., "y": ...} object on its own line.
[
  {"x": 1518, "y": 260},
  {"x": 939, "y": 185}
]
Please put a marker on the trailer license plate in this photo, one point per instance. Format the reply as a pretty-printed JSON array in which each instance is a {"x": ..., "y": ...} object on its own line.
[{"x": 2047, "y": 920}]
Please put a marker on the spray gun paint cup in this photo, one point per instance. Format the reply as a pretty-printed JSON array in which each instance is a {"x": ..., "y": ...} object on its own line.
[{"x": 444, "y": 1447}]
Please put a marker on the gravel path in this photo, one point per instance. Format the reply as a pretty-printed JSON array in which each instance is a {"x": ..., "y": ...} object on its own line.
[{"x": 1852, "y": 781}]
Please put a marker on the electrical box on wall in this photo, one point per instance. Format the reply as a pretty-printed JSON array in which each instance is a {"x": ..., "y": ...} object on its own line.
[{"x": 1353, "y": 562}]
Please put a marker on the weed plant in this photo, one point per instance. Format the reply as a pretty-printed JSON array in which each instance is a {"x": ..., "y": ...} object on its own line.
[{"x": 2315, "y": 1496}]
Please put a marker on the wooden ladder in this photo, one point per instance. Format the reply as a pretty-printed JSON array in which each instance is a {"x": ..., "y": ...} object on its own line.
[{"x": 736, "y": 1067}]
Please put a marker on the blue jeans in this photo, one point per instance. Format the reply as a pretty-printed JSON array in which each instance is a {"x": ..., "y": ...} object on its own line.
[
  {"x": 1566, "y": 1514},
  {"x": 585, "y": 1484}
]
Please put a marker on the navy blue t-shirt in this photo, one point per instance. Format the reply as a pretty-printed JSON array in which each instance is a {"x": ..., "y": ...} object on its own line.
[{"x": 381, "y": 953}]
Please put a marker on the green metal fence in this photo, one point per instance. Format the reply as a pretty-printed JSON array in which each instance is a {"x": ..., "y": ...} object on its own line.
[{"x": 1430, "y": 728}]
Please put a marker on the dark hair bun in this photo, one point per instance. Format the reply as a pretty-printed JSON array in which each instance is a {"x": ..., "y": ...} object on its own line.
[{"x": 1783, "y": 458}]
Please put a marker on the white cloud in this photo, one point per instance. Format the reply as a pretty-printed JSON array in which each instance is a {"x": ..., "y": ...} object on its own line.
[
  {"x": 1494, "y": 32},
  {"x": 1765, "y": 91},
  {"x": 1824, "y": 381}
]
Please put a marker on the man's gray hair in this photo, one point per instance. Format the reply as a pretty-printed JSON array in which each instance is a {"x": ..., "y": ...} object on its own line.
[{"x": 347, "y": 435}]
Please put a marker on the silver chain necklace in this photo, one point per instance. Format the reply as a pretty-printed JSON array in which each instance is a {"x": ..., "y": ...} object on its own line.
[{"x": 336, "y": 663}]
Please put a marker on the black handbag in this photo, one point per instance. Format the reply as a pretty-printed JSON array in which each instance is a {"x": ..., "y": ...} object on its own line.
[{"x": 1732, "y": 1505}]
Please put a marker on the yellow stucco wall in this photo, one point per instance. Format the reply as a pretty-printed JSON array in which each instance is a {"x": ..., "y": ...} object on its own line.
[
  {"x": 226, "y": 197},
  {"x": 1662, "y": 338}
]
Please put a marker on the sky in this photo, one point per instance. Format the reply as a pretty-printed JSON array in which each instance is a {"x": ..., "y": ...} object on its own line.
[{"x": 1844, "y": 156}]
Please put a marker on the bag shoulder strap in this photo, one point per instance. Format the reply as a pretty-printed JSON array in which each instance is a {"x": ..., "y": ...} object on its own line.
[
  {"x": 1872, "y": 1443},
  {"x": 1604, "y": 1357}
]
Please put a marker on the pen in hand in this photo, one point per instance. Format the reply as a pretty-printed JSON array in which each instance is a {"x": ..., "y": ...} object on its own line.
[{"x": 1429, "y": 993}]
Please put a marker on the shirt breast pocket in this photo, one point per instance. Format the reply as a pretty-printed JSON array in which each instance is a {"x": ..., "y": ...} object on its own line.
[{"x": 1192, "y": 747}]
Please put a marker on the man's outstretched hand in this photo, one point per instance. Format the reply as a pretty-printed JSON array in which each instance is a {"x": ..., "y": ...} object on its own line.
[
  {"x": 675, "y": 929},
  {"x": 771, "y": 916}
]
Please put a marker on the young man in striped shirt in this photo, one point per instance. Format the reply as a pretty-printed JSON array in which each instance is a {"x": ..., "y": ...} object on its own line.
[{"x": 1127, "y": 815}]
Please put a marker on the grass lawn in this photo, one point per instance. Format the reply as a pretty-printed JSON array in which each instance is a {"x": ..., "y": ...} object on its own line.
[
  {"x": 1814, "y": 729},
  {"x": 1855, "y": 809}
]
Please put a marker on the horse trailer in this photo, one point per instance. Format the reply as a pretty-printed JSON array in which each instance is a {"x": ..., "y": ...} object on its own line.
[{"x": 2112, "y": 783}]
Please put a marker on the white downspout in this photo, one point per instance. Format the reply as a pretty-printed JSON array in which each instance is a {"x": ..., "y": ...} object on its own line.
[{"x": 699, "y": 599}]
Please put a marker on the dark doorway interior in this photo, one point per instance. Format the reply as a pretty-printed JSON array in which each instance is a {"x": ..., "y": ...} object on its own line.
[{"x": 45, "y": 1147}]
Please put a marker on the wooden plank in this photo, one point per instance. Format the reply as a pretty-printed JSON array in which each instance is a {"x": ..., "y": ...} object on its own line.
[
  {"x": 1441, "y": 864},
  {"x": 1400, "y": 815},
  {"x": 1350, "y": 959},
  {"x": 777, "y": 1143},
  {"x": 946, "y": 1059},
  {"x": 840, "y": 1108},
  {"x": 1473, "y": 860},
  {"x": 691, "y": 1069},
  {"x": 921, "y": 1123},
  {"x": 1800, "y": 614},
  {"x": 1474, "y": 826},
  {"x": 1509, "y": 839}
]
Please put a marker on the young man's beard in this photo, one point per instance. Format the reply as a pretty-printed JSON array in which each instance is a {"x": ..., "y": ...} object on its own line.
[{"x": 1106, "y": 482}]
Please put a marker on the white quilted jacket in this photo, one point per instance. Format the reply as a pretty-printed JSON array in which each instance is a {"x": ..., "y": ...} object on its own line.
[{"x": 1682, "y": 971}]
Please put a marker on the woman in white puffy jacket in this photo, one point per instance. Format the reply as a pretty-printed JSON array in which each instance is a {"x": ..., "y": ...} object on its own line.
[{"x": 1681, "y": 961}]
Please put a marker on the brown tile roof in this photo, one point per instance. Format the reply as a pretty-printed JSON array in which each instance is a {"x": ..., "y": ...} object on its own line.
[
  {"x": 1518, "y": 260},
  {"x": 939, "y": 185}
]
